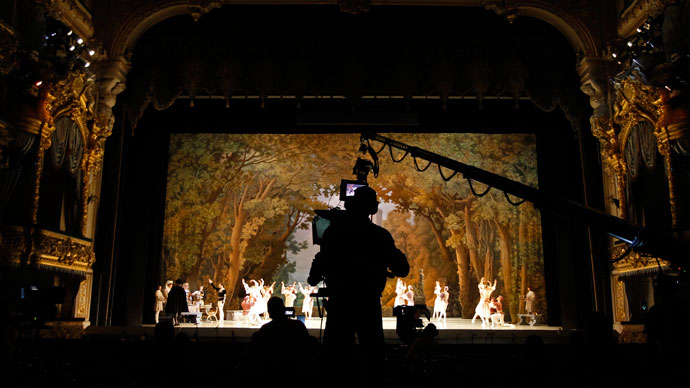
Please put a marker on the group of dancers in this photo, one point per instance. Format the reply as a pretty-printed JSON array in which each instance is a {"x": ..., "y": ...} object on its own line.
[
  {"x": 404, "y": 296},
  {"x": 489, "y": 310},
  {"x": 194, "y": 300},
  {"x": 254, "y": 304}
]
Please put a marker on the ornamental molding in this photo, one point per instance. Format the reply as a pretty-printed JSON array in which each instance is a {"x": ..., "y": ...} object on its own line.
[
  {"x": 130, "y": 19},
  {"x": 575, "y": 19},
  {"x": 619, "y": 299},
  {"x": 636, "y": 263},
  {"x": 34, "y": 247},
  {"x": 9, "y": 48},
  {"x": 637, "y": 13},
  {"x": 73, "y": 14},
  {"x": 73, "y": 98}
]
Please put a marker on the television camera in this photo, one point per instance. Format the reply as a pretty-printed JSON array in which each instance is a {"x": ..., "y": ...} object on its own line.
[{"x": 361, "y": 170}]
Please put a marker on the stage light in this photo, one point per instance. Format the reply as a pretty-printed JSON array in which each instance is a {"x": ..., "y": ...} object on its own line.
[
  {"x": 80, "y": 40},
  {"x": 91, "y": 52},
  {"x": 71, "y": 48}
]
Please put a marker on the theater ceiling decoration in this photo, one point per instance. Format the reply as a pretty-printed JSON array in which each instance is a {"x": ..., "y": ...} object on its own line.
[{"x": 63, "y": 64}]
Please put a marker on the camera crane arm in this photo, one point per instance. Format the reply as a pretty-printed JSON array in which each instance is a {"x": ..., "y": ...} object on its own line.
[{"x": 640, "y": 239}]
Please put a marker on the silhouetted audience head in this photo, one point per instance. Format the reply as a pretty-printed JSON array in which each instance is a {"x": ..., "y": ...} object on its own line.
[
  {"x": 534, "y": 341},
  {"x": 430, "y": 330},
  {"x": 598, "y": 329},
  {"x": 164, "y": 332}
]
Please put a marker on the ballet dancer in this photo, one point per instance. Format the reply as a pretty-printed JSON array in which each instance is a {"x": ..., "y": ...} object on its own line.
[
  {"x": 409, "y": 296},
  {"x": 290, "y": 293},
  {"x": 160, "y": 302},
  {"x": 308, "y": 302},
  {"x": 445, "y": 297},
  {"x": 438, "y": 303},
  {"x": 222, "y": 293},
  {"x": 482, "y": 310},
  {"x": 399, "y": 293}
]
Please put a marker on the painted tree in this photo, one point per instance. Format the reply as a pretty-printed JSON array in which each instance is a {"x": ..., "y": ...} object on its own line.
[
  {"x": 242, "y": 226},
  {"x": 235, "y": 200}
]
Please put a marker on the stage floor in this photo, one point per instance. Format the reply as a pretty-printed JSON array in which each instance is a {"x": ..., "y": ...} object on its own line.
[{"x": 452, "y": 331}]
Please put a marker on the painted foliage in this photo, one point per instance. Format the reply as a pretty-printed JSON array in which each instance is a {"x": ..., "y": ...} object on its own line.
[{"x": 240, "y": 205}]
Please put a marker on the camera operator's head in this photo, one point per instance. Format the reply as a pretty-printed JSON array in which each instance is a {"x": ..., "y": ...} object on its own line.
[
  {"x": 363, "y": 202},
  {"x": 275, "y": 307}
]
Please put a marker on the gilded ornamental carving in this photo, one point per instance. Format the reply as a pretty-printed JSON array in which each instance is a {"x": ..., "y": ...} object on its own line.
[
  {"x": 38, "y": 247},
  {"x": 636, "y": 261}
]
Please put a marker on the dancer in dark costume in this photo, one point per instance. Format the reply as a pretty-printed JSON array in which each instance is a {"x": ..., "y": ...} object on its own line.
[{"x": 177, "y": 302}]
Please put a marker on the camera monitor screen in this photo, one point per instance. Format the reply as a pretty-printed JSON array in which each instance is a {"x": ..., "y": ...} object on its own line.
[
  {"x": 348, "y": 187},
  {"x": 318, "y": 226}
]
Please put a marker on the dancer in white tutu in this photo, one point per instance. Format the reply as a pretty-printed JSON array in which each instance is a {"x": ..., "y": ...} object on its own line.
[
  {"x": 482, "y": 310},
  {"x": 409, "y": 296},
  {"x": 258, "y": 304},
  {"x": 438, "y": 303},
  {"x": 308, "y": 302},
  {"x": 266, "y": 294},
  {"x": 399, "y": 293},
  {"x": 445, "y": 297},
  {"x": 290, "y": 293}
]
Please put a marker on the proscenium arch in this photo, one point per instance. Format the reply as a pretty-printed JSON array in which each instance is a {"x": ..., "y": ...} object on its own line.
[
  {"x": 135, "y": 26},
  {"x": 151, "y": 13},
  {"x": 572, "y": 27}
]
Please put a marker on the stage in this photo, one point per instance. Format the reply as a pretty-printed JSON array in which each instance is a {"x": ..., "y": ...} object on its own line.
[{"x": 452, "y": 331}]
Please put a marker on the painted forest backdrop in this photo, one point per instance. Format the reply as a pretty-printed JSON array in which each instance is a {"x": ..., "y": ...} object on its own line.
[{"x": 240, "y": 206}]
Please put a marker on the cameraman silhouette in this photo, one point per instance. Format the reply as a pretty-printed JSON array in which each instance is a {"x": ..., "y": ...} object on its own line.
[{"x": 356, "y": 255}]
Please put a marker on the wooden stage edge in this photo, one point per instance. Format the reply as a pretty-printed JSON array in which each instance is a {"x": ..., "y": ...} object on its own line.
[{"x": 453, "y": 331}]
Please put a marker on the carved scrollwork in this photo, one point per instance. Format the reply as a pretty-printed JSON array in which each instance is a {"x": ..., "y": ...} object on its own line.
[
  {"x": 619, "y": 300},
  {"x": 636, "y": 262},
  {"x": 6, "y": 139},
  {"x": 71, "y": 97},
  {"x": 637, "y": 13},
  {"x": 73, "y": 14},
  {"x": 9, "y": 46},
  {"x": 638, "y": 101},
  {"x": 354, "y": 6},
  {"x": 38, "y": 247},
  {"x": 201, "y": 7}
]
